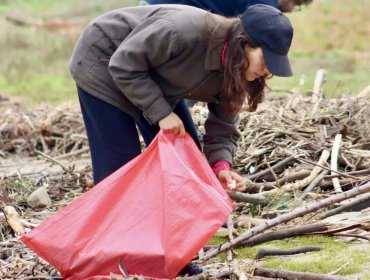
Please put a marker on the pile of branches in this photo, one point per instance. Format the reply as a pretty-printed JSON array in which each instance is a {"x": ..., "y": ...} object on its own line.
[
  {"x": 314, "y": 152},
  {"x": 58, "y": 132},
  {"x": 283, "y": 141}
]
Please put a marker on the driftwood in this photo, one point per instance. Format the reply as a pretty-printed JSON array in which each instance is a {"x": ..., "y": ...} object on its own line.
[
  {"x": 264, "y": 252},
  {"x": 298, "y": 212},
  {"x": 290, "y": 275}
]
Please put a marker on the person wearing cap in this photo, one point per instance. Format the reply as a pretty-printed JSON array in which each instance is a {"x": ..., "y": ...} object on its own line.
[
  {"x": 134, "y": 66},
  {"x": 231, "y": 8}
]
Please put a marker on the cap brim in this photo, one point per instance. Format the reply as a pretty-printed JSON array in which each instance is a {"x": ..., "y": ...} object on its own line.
[{"x": 277, "y": 64}]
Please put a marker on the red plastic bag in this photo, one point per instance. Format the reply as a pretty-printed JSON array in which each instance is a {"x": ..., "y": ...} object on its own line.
[{"x": 154, "y": 214}]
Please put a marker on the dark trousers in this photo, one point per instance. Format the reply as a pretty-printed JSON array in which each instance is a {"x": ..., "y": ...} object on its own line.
[{"x": 113, "y": 136}]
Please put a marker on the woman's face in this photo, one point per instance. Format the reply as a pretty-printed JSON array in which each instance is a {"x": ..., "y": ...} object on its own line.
[{"x": 257, "y": 67}]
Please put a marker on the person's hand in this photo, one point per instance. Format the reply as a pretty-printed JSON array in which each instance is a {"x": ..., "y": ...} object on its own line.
[
  {"x": 231, "y": 181},
  {"x": 172, "y": 123}
]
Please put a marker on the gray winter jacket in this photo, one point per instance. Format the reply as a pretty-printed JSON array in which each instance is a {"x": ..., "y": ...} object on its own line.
[{"x": 144, "y": 59}]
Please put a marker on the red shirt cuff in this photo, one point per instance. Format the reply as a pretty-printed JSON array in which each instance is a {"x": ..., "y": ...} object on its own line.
[{"x": 221, "y": 165}]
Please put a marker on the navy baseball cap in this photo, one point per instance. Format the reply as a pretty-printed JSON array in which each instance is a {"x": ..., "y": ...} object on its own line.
[{"x": 271, "y": 30}]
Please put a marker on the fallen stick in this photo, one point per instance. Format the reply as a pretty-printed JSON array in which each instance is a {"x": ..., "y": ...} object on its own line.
[
  {"x": 279, "y": 235},
  {"x": 335, "y": 230},
  {"x": 318, "y": 87},
  {"x": 256, "y": 199},
  {"x": 230, "y": 229},
  {"x": 74, "y": 153},
  {"x": 364, "y": 93},
  {"x": 298, "y": 212},
  {"x": 314, "y": 183},
  {"x": 278, "y": 165},
  {"x": 334, "y": 161},
  {"x": 351, "y": 235},
  {"x": 347, "y": 206},
  {"x": 13, "y": 220},
  {"x": 290, "y": 275},
  {"x": 256, "y": 187},
  {"x": 328, "y": 184},
  {"x": 65, "y": 168},
  {"x": 264, "y": 252},
  {"x": 324, "y": 167},
  {"x": 285, "y": 233},
  {"x": 301, "y": 184}
]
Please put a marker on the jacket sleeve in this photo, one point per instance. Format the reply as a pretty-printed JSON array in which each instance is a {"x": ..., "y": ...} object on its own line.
[
  {"x": 221, "y": 134},
  {"x": 148, "y": 46}
]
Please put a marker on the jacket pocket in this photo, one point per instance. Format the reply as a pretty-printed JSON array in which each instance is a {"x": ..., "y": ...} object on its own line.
[{"x": 207, "y": 90}]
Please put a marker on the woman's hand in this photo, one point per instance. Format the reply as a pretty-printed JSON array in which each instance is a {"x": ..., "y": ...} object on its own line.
[
  {"x": 231, "y": 181},
  {"x": 172, "y": 123}
]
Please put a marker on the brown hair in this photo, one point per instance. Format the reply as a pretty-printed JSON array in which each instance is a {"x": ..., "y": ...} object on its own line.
[
  {"x": 235, "y": 87},
  {"x": 302, "y": 2}
]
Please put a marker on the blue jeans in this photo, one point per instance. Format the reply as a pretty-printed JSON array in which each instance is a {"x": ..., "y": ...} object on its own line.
[{"x": 113, "y": 136}]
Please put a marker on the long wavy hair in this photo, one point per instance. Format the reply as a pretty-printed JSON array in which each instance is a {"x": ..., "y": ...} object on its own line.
[{"x": 235, "y": 88}]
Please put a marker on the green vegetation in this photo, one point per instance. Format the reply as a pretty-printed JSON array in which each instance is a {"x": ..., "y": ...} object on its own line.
[
  {"x": 34, "y": 60},
  {"x": 329, "y": 34},
  {"x": 352, "y": 259}
]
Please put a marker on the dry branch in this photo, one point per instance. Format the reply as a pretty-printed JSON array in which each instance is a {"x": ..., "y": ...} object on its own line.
[
  {"x": 301, "y": 184},
  {"x": 279, "y": 235},
  {"x": 13, "y": 220},
  {"x": 250, "y": 198},
  {"x": 230, "y": 229},
  {"x": 264, "y": 252},
  {"x": 278, "y": 165},
  {"x": 318, "y": 88},
  {"x": 334, "y": 161},
  {"x": 354, "y": 202},
  {"x": 290, "y": 275}
]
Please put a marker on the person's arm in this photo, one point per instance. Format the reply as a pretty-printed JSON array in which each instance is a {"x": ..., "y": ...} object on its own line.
[
  {"x": 221, "y": 135},
  {"x": 220, "y": 142},
  {"x": 147, "y": 47}
]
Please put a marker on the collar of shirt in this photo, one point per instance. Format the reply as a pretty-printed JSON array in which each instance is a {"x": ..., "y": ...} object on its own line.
[{"x": 218, "y": 35}]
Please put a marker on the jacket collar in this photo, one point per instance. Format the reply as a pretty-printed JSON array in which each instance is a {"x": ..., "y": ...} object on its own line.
[{"x": 218, "y": 35}]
